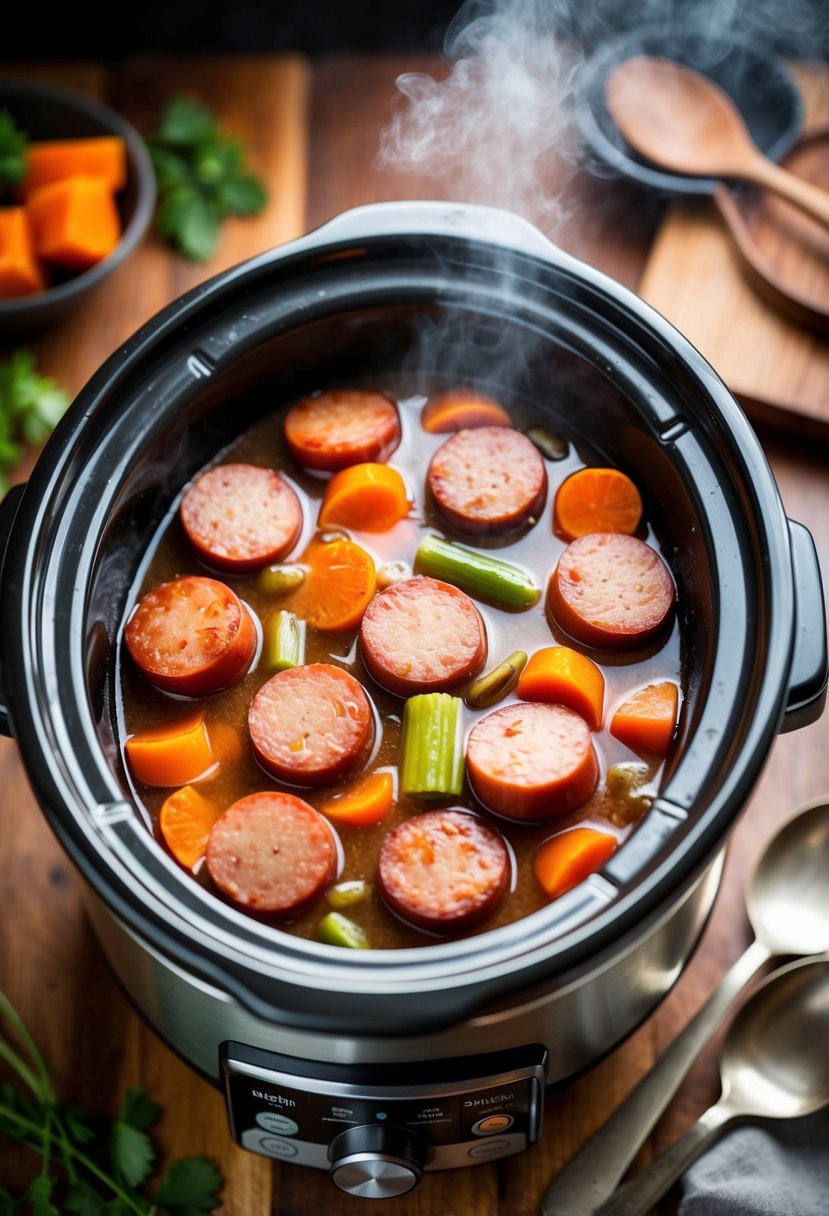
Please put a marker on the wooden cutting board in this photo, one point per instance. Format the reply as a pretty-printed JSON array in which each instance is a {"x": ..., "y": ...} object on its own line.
[{"x": 778, "y": 371}]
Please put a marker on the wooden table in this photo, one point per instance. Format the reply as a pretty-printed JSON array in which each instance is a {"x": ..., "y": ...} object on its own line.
[{"x": 313, "y": 129}]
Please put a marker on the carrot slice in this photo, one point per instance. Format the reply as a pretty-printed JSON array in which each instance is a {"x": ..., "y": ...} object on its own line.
[
  {"x": 365, "y": 804},
  {"x": 103, "y": 156},
  {"x": 565, "y": 677},
  {"x": 596, "y": 500},
  {"x": 225, "y": 744},
  {"x": 646, "y": 721},
  {"x": 366, "y": 497},
  {"x": 185, "y": 822},
  {"x": 339, "y": 582},
  {"x": 564, "y": 861},
  {"x": 461, "y": 410},
  {"x": 74, "y": 222},
  {"x": 20, "y": 273},
  {"x": 171, "y": 754}
]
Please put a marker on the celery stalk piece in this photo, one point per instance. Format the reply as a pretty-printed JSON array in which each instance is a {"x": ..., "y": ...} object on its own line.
[
  {"x": 337, "y": 930},
  {"x": 284, "y": 644},
  {"x": 432, "y": 748},
  {"x": 484, "y": 577}
]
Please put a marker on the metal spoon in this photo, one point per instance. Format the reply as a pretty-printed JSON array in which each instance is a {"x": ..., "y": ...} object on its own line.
[
  {"x": 788, "y": 907},
  {"x": 774, "y": 1065},
  {"x": 684, "y": 122}
]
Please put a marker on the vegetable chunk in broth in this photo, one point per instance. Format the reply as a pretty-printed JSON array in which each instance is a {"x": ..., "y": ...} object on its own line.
[{"x": 446, "y": 683}]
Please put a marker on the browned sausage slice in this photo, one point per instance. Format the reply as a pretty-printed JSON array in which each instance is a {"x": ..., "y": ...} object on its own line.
[
  {"x": 310, "y": 725},
  {"x": 610, "y": 591},
  {"x": 240, "y": 517},
  {"x": 191, "y": 636},
  {"x": 532, "y": 761},
  {"x": 443, "y": 870},
  {"x": 488, "y": 481},
  {"x": 342, "y": 427},
  {"x": 422, "y": 635},
  {"x": 271, "y": 852}
]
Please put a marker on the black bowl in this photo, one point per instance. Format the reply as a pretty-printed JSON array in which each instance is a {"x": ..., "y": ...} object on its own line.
[
  {"x": 756, "y": 80},
  {"x": 44, "y": 112}
]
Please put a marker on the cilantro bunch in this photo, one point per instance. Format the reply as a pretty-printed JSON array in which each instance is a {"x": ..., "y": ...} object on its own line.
[
  {"x": 14, "y": 144},
  {"x": 90, "y": 1167},
  {"x": 201, "y": 178},
  {"x": 30, "y": 406}
]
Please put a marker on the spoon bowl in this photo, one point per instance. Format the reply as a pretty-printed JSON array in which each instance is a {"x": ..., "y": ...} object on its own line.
[{"x": 788, "y": 896}]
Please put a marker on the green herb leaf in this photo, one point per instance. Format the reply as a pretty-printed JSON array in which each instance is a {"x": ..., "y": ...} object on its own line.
[
  {"x": 202, "y": 179},
  {"x": 78, "y": 1124},
  {"x": 39, "y": 1195},
  {"x": 190, "y": 1187},
  {"x": 132, "y": 1153},
  {"x": 137, "y": 1110},
  {"x": 30, "y": 407},
  {"x": 8, "y": 1203},
  {"x": 13, "y": 146}
]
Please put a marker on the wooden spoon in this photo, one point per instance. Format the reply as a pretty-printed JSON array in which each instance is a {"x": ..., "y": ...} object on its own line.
[{"x": 681, "y": 120}]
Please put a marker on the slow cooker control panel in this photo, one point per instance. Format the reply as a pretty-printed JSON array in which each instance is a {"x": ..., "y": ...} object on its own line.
[{"x": 376, "y": 1128}]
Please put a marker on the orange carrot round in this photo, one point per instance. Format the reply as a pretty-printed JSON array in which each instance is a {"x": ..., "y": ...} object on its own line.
[
  {"x": 645, "y": 722},
  {"x": 460, "y": 410},
  {"x": 365, "y": 804},
  {"x": 172, "y": 754},
  {"x": 339, "y": 582},
  {"x": 75, "y": 221},
  {"x": 596, "y": 500},
  {"x": 225, "y": 744},
  {"x": 103, "y": 156},
  {"x": 185, "y": 822},
  {"x": 366, "y": 497},
  {"x": 565, "y": 860},
  {"x": 563, "y": 676}
]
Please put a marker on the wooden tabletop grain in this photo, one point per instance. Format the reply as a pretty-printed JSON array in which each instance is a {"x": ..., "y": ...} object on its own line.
[{"x": 313, "y": 130}]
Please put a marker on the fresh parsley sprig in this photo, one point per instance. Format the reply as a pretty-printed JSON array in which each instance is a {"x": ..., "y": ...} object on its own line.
[
  {"x": 14, "y": 144},
  {"x": 30, "y": 406},
  {"x": 201, "y": 176},
  {"x": 88, "y": 1166}
]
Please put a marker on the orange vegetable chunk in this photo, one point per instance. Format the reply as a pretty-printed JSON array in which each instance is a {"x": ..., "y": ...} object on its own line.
[
  {"x": 75, "y": 222},
  {"x": 225, "y": 744},
  {"x": 646, "y": 721},
  {"x": 185, "y": 822},
  {"x": 174, "y": 753},
  {"x": 20, "y": 274},
  {"x": 363, "y": 805},
  {"x": 596, "y": 500},
  {"x": 461, "y": 409},
  {"x": 339, "y": 582},
  {"x": 564, "y": 861},
  {"x": 366, "y": 497},
  {"x": 566, "y": 677},
  {"x": 102, "y": 156}
]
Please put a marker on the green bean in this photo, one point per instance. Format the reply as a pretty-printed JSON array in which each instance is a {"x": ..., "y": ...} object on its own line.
[
  {"x": 494, "y": 685},
  {"x": 484, "y": 577}
]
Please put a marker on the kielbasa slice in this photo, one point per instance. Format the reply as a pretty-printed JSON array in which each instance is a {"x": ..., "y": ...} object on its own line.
[
  {"x": 532, "y": 761},
  {"x": 340, "y": 428},
  {"x": 610, "y": 591},
  {"x": 191, "y": 636},
  {"x": 271, "y": 852},
  {"x": 488, "y": 481},
  {"x": 443, "y": 870},
  {"x": 422, "y": 635},
  {"x": 240, "y": 516},
  {"x": 310, "y": 725}
]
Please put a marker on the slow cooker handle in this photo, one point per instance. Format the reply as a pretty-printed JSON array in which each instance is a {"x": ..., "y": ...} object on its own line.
[
  {"x": 467, "y": 220},
  {"x": 810, "y": 665},
  {"x": 8, "y": 510}
]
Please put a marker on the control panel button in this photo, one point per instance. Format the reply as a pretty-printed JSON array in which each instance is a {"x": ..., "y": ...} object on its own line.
[
  {"x": 272, "y": 1121},
  {"x": 277, "y": 1147},
  {"x": 376, "y": 1161},
  {"x": 490, "y": 1148},
  {"x": 492, "y": 1124}
]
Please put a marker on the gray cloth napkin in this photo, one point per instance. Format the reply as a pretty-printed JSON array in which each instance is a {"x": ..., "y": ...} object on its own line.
[{"x": 778, "y": 1168}]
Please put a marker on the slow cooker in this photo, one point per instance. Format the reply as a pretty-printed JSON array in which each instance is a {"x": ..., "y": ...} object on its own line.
[{"x": 378, "y": 1065}]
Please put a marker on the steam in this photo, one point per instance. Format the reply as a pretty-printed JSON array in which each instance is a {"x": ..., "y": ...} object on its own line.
[{"x": 497, "y": 127}]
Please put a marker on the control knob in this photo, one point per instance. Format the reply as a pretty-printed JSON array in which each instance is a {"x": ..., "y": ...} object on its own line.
[{"x": 377, "y": 1162}]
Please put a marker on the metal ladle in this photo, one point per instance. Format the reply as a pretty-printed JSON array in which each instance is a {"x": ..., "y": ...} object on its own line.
[
  {"x": 683, "y": 121},
  {"x": 788, "y": 907},
  {"x": 774, "y": 1065}
]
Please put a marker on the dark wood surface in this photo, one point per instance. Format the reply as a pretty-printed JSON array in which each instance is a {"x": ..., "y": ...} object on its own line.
[{"x": 50, "y": 964}]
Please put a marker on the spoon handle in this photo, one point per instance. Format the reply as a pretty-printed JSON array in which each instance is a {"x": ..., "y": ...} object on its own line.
[
  {"x": 595, "y": 1170},
  {"x": 644, "y": 1190},
  {"x": 805, "y": 195}
]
